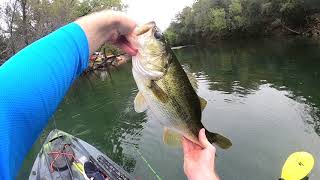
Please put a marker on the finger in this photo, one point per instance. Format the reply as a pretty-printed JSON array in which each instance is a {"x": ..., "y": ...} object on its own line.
[
  {"x": 125, "y": 25},
  {"x": 203, "y": 139},
  {"x": 191, "y": 145},
  {"x": 133, "y": 40},
  {"x": 197, "y": 147},
  {"x": 186, "y": 145}
]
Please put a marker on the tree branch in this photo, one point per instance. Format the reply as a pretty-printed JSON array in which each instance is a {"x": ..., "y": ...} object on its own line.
[{"x": 291, "y": 30}]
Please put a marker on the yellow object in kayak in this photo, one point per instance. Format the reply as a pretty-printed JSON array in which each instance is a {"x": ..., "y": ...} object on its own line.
[
  {"x": 79, "y": 167},
  {"x": 297, "y": 166}
]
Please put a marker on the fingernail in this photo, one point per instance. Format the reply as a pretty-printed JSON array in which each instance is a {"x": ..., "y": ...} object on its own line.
[{"x": 203, "y": 131}]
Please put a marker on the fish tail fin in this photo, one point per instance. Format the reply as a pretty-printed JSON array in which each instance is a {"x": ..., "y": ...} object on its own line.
[{"x": 219, "y": 140}]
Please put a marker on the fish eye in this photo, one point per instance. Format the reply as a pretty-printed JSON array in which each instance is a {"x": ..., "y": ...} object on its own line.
[{"x": 157, "y": 34}]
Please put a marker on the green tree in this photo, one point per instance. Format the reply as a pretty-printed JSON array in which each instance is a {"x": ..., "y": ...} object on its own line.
[
  {"x": 172, "y": 37},
  {"x": 28, "y": 20},
  {"x": 235, "y": 14},
  {"x": 293, "y": 13},
  {"x": 207, "y": 19},
  {"x": 201, "y": 14},
  {"x": 235, "y": 8},
  {"x": 218, "y": 20},
  {"x": 85, "y": 7}
]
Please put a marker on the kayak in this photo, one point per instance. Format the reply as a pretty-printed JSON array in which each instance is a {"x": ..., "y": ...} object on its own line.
[{"x": 64, "y": 156}]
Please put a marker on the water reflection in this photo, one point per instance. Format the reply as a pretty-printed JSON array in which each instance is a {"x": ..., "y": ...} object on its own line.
[
  {"x": 241, "y": 67},
  {"x": 104, "y": 108}
]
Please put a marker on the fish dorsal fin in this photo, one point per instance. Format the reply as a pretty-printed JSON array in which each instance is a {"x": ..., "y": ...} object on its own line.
[
  {"x": 203, "y": 103},
  {"x": 192, "y": 79},
  {"x": 140, "y": 104},
  {"x": 171, "y": 138}
]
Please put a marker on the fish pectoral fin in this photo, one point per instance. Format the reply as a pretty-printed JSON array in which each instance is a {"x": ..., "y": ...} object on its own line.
[
  {"x": 140, "y": 104},
  {"x": 158, "y": 92},
  {"x": 171, "y": 138},
  {"x": 203, "y": 103},
  {"x": 219, "y": 140}
]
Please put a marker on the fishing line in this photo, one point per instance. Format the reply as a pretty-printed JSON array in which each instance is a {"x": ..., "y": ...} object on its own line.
[
  {"x": 55, "y": 125},
  {"x": 145, "y": 161},
  {"x": 54, "y": 122}
]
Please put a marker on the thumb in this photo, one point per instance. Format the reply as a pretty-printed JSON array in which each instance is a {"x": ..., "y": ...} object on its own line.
[
  {"x": 123, "y": 43},
  {"x": 203, "y": 139},
  {"x": 185, "y": 146}
]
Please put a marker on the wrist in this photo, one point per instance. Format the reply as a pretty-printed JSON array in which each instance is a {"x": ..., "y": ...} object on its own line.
[{"x": 203, "y": 175}]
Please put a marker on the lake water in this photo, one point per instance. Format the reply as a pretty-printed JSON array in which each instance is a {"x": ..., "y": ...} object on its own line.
[{"x": 264, "y": 95}]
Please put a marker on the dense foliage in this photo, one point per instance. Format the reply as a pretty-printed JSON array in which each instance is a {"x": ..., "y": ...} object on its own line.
[
  {"x": 24, "y": 21},
  {"x": 206, "y": 20}
]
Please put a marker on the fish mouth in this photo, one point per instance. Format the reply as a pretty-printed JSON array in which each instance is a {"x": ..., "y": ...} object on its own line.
[
  {"x": 127, "y": 46},
  {"x": 137, "y": 65}
]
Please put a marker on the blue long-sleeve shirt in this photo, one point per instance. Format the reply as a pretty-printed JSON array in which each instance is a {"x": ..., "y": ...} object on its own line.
[{"x": 32, "y": 84}]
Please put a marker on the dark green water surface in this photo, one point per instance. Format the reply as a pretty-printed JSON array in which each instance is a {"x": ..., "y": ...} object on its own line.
[{"x": 262, "y": 94}]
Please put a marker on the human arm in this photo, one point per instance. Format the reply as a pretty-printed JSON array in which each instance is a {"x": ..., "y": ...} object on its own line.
[
  {"x": 199, "y": 162},
  {"x": 34, "y": 81}
]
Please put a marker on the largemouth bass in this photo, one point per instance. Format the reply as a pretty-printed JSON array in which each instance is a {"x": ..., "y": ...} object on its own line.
[{"x": 164, "y": 89}]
